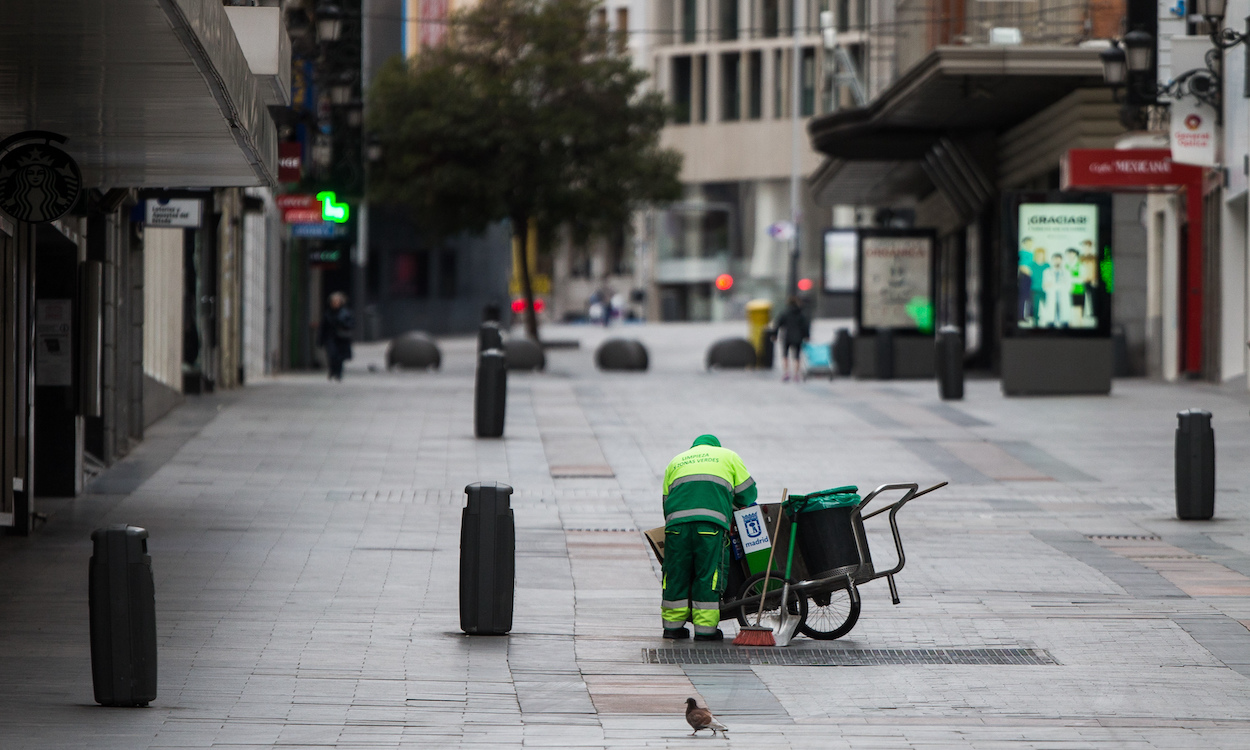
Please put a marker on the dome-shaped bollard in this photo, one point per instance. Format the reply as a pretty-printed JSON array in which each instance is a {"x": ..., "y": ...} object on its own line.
[
  {"x": 621, "y": 354},
  {"x": 524, "y": 354},
  {"x": 731, "y": 354},
  {"x": 414, "y": 350}
]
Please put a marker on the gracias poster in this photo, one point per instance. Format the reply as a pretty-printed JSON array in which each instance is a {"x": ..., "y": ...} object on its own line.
[{"x": 1058, "y": 275}]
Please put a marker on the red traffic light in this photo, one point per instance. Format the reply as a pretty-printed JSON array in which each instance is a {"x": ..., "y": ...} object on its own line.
[
  {"x": 805, "y": 285},
  {"x": 518, "y": 305},
  {"x": 724, "y": 282}
]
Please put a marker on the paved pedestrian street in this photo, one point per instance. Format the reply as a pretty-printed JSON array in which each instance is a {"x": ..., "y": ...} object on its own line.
[{"x": 305, "y": 538}]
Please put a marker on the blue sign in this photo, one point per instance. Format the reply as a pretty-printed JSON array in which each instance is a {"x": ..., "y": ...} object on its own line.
[{"x": 318, "y": 231}]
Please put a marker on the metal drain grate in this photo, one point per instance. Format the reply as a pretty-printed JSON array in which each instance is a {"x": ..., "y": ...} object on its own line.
[
  {"x": 1130, "y": 537},
  {"x": 845, "y": 657}
]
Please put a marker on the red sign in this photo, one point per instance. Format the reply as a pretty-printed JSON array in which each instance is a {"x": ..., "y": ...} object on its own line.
[
  {"x": 1126, "y": 169},
  {"x": 300, "y": 208},
  {"x": 290, "y": 162}
]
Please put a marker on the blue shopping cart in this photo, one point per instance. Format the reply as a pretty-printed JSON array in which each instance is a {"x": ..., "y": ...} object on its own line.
[{"x": 816, "y": 361}]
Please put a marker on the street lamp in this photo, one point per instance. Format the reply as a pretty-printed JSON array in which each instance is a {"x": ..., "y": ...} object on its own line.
[
  {"x": 329, "y": 23},
  {"x": 1114, "y": 65},
  {"x": 1212, "y": 10},
  {"x": 1140, "y": 46}
]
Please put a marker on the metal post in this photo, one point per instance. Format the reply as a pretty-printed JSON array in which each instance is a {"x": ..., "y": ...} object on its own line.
[{"x": 795, "y": 210}]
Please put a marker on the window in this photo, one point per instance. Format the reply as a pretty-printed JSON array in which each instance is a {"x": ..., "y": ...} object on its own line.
[
  {"x": 702, "y": 88},
  {"x": 681, "y": 89},
  {"x": 807, "y": 83},
  {"x": 731, "y": 86},
  {"x": 728, "y": 19},
  {"x": 601, "y": 20},
  {"x": 755, "y": 85},
  {"x": 447, "y": 274},
  {"x": 861, "y": 14},
  {"x": 772, "y": 17},
  {"x": 779, "y": 84},
  {"x": 410, "y": 274},
  {"x": 844, "y": 15},
  {"x": 689, "y": 20},
  {"x": 622, "y": 28}
]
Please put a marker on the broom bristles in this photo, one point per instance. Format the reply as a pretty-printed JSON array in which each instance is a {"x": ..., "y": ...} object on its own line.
[{"x": 755, "y": 636}]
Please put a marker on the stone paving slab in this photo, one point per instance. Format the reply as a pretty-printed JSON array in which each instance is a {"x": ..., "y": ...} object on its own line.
[{"x": 305, "y": 543}]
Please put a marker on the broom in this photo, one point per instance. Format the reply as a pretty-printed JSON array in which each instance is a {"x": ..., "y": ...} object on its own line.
[{"x": 762, "y": 635}]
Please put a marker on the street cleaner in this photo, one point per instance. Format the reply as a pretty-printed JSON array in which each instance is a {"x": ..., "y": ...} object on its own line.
[{"x": 702, "y": 487}]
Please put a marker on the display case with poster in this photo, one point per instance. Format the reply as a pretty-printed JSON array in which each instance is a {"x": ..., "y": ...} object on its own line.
[
  {"x": 840, "y": 260},
  {"x": 1059, "y": 270},
  {"x": 896, "y": 280},
  {"x": 1058, "y": 278}
]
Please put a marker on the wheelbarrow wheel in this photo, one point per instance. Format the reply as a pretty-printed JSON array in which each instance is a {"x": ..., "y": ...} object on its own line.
[
  {"x": 797, "y": 605},
  {"x": 830, "y": 615}
]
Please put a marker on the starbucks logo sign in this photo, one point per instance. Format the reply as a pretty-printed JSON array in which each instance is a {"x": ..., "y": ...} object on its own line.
[{"x": 38, "y": 181}]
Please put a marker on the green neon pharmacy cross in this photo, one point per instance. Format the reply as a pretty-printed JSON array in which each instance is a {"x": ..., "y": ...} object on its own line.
[{"x": 331, "y": 209}]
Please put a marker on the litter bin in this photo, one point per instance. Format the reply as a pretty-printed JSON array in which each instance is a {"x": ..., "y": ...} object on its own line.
[
  {"x": 826, "y": 534},
  {"x": 759, "y": 315},
  {"x": 768, "y": 351},
  {"x": 122, "y": 606},
  {"x": 487, "y": 560},
  {"x": 1195, "y": 466},
  {"x": 842, "y": 351}
]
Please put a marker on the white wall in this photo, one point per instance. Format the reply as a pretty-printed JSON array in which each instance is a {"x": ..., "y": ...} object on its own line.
[
  {"x": 162, "y": 305},
  {"x": 1234, "y": 280}
]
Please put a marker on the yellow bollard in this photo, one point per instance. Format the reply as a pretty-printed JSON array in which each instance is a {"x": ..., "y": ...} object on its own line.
[{"x": 759, "y": 315}]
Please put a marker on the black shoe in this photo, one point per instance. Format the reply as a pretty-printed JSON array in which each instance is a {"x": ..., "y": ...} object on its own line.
[
  {"x": 717, "y": 636},
  {"x": 676, "y": 634}
]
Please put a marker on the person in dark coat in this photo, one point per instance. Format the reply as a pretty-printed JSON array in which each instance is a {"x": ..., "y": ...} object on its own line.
[
  {"x": 795, "y": 328},
  {"x": 335, "y": 334}
]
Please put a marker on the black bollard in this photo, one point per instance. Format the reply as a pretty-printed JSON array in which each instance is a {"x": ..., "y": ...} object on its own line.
[
  {"x": 489, "y": 336},
  {"x": 1195, "y": 466},
  {"x": 487, "y": 560},
  {"x": 768, "y": 350},
  {"x": 885, "y": 353},
  {"x": 950, "y": 363},
  {"x": 491, "y": 394},
  {"x": 122, "y": 604},
  {"x": 842, "y": 348}
]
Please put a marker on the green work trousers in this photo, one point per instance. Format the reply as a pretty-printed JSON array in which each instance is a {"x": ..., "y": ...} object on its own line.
[{"x": 695, "y": 555}]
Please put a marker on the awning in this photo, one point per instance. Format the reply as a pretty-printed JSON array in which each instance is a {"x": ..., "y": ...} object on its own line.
[
  {"x": 923, "y": 131},
  {"x": 151, "y": 93}
]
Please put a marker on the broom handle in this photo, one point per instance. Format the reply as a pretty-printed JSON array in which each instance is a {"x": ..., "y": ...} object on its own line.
[{"x": 772, "y": 550}]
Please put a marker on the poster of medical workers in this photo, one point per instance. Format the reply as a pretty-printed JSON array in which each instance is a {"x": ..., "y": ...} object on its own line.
[{"x": 1062, "y": 267}]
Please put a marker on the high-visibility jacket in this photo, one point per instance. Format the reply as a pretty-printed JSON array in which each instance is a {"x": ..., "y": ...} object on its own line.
[{"x": 706, "y": 483}]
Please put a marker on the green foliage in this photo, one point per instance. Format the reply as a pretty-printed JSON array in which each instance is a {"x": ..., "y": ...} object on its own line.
[{"x": 528, "y": 112}]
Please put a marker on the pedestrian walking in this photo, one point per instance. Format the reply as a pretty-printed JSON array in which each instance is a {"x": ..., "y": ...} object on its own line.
[
  {"x": 335, "y": 334},
  {"x": 702, "y": 487},
  {"x": 797, "y": 329}
]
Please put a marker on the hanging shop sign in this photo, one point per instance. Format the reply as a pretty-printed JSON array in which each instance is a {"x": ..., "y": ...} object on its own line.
[
  {"x": 325, "y": 256},
  {"x": 318, "y": 231},
  {"x": 38, "y": 181},
  {"x": 1193, "y": 132},
  {"x": 290, "y": 162},
  {"x": 302, "y": 208},
  {"x": 896, "y": 280},
  {"x": 172, "y": 212}
]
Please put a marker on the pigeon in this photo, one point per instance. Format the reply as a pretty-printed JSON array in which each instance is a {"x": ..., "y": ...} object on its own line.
[{"x": 701, "y": 718}]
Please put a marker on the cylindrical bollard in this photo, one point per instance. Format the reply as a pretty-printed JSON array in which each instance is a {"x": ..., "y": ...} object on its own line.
[
  {"x": 950, "y": 363},
  {"x": 491, "y": 396},
  {"x": 1195, "y": 466},
  {"x": 842, "y": 351},
  {"x": 492, "y": 312},
  {"x": 489, "y": 336},
  {"x": 768, "y": 348},
  {"x": 885, "y": 353},
  {"x": 487, "y": 560},
  {"x": 122, "y": 604}
]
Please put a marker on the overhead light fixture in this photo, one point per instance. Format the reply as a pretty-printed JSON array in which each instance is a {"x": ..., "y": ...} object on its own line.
[
  {"x": 329, "y": 23},
  {"x": 1211, "y": 9}
]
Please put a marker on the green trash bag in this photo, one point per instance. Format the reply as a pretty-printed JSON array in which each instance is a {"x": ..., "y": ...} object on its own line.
[{"x": 838, "y": 497}]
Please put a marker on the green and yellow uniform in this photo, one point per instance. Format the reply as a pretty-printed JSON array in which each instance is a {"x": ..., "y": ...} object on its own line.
[{"x": 702, "y": 487}]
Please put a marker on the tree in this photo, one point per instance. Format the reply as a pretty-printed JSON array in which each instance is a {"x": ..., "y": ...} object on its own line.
[{"x": 528, "y": 112}]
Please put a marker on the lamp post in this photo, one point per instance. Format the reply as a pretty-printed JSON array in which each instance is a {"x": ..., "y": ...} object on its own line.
[{"x": 329, "y": 23}]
